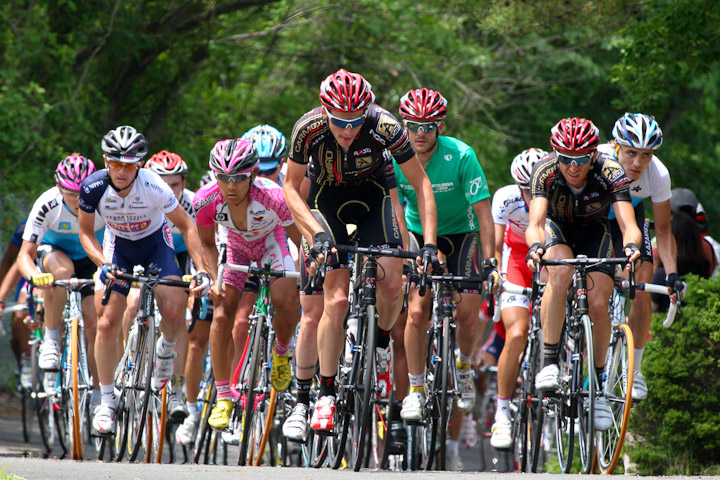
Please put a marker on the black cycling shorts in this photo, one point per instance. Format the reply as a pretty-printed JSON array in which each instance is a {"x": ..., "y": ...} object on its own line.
[
  {"x": 646, "y": 254},
  {"x": 594, "y": 241},
  {"x": 84, "y": 267},
  {"x": 462, "y": 254}
]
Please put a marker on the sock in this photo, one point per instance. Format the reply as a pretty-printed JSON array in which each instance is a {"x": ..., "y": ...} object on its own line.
[
  {"x": 452, "y": 447},
  {"x": 303, "y": 390},
  {"x": 52, "y": 334},
  {"x": 108, "y": 395},
  {"x": 223, "y": 389},
  {"x": 383, "y": 340},
  {"x": 551, "y": 352},
  {"x": 281, "y": 348},
  {"x": 417, "y": 380},
  {"x": 638, "y": 359},
  {"x": 463, "y": 362},
  {"x": 193, "y": 410},
  {"x": 164, "y": 348},
  {"x": 178, "y": 380},
  {"x": 600, "y": 371},
  {"x": 327, "y": 386},
  {"x": 503, "y": 409}
]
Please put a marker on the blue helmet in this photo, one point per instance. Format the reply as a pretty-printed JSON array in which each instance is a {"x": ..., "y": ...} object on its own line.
[
  {"x": 638, "y": 131},
  {"x": 269, "y": 145}
]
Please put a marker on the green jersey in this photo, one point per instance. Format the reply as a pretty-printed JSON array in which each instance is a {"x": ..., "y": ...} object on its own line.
[{"x": 457, "y": 181}]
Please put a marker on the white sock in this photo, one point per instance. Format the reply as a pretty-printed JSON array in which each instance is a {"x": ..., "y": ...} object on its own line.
[
  {"x": 452, "y": 447},
  {"x": 164, "y": 348},
  {"x": 638, "y": 359},
  {"x": 108, "y": 395},
  {"x": 194, "y": 410},
  {"x": 417, "y": 380},
  {"x": 52, "y": 334},
  {"x": 503, "y": 409}
]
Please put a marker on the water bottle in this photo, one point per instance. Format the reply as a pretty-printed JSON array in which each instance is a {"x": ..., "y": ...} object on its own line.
[{"x": 350, "y": 336}]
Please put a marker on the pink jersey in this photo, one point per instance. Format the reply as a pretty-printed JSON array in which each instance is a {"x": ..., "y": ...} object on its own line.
[{"x": 267, "y": 209}]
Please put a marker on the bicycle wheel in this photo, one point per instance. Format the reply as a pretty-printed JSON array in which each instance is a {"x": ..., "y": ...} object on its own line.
[
  {"x": 445, "y": 398},
  {"x": 618, "y": 390},
  {"x": 346, "y": 399},
  {"x": 384, "y": 423},
  {"x": 251, "y": 378},
  {"x": 529, "y": 415},
  {"x": 157, "y": 423},
  {"x": 139, "y": 395},
  {"x": 204, "y": 431},
  {"x": 585, "y": 381},
  {"x": 427, "y": 437},
  {"x": 369, "y": 375},
  {"x": 80, "y": 401},
  {"x": 43, "y": 408},
  {"x": 562, "y": 406}
]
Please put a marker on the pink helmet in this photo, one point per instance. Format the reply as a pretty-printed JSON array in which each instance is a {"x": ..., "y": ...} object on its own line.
[
  {"x": 233, "y": 156},
  {"x": 71, "y": 171},
  {"x": 346, "y": 91}
]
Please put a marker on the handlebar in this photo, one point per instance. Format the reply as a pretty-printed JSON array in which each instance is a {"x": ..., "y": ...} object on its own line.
[
  {"x": 150, "y": 278},
  {"x": 660, "y": 289},
  {"x": 264, "y": 271}
]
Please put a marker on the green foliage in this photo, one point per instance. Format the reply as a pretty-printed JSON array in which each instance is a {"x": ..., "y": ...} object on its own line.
[{"x": 678, "y": 427}]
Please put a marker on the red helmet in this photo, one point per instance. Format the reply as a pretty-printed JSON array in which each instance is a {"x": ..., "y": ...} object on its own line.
[
  {"x": 346, "y": 91},
  {"x": 423, "y": 105},
  {"x": 574, "y": 136},
  {"x": 167, "y": 163}
]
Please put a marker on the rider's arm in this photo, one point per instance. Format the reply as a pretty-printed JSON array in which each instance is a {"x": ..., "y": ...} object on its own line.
[
  {"x": 8, "y": 259},
  {"x": 667, "y": 248},
  {"x": 625, "y": 215},
  {"x": 9, "y": 281},
  {"x": 295, "y": 201},
  {"x": 535, "y": 232},
  {"x": 499, "y": 239},
  {"x": 187, "y": 228},
  {"x": 209, "y": 250},
  {"x": 487, "y": 228},
  {"x": 415, "y": 174},
  {"x": 88, "y": 240},
  {"x": 294, "y": 233},
  {"x": 26, "y": 259}
]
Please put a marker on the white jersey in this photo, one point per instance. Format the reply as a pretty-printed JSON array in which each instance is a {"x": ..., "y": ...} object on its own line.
[
  {"x": 654, "y": 182},
  {"x": 139, "y": 214},
  {"x": 509, "y": 209},
  {"x": 186, "y": 202},
  {"x": 51, "y": 222}
]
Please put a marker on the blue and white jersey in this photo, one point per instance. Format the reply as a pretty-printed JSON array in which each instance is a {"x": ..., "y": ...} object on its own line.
[
  {"x": 654, "y": 182},
  {"x": 51, "y": 222},
  {"x": 139, "y": 214},
  {"x": 186, "y": 202}
]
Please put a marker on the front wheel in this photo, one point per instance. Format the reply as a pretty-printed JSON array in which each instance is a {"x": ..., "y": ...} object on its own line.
[{"x": 586, "y": 383}]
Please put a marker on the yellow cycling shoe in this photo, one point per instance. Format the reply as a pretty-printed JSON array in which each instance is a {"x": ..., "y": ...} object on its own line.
[
  {"x": 220, "y": 416},
  {"x": 281, "y": 374}
]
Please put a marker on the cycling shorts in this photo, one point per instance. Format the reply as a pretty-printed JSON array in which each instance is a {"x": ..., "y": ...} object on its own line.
[
  {"x": 304, "y": 254},
  {"x": 154, "y": 252},
  {"x": 594, "y": 241},
  {"x": 272, "y": 249},
  {"x": 494, "y": 344},
  {"x": 646, "y": 254},
  {"x": 462, "y": 254},
  {"x": 516, "y": 272},
  {"x": 183, "y": 260},
  {"x": 83, "y": 267}
]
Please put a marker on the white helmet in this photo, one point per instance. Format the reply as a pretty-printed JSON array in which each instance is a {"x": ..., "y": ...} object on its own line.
[{"x": 523, "y": 163}]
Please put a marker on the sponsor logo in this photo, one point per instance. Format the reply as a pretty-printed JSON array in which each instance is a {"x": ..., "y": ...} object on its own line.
[
  {"x": 221, "y": 217},
  {"x": 594, "y": 207},
  {"x": 363, "y": 151},
  {"x": 258, "y": 219},
  {"x": 377, "y": 137},
  {"x": 448, "y": 157},
  {"x": 637, "y": 189},
  {"x": 476, "y": 185},
  {"x": 386, "y": 125},
  {"x": 33, "y": 238},
  {"x": 363, "y": 162},
  {"x": 129, "y": 227},
  {"x": 64, "y": 226},
  {"x": 154, "y": 187}
]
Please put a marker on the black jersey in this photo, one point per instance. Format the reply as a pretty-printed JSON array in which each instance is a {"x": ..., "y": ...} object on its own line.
[
  {"x": 606, "y": 183},
  {"x": 380, "y": 139}
]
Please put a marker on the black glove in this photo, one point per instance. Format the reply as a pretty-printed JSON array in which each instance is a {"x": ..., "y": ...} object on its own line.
[
  {"x": 675, "y": 283},
  {"x": 431, "y": 250},
  {"x": 489, "y": 266},
  {"x": 320, "y": 240},
  {"x": 106, "y": 268},
  {"x": 534, "y": 249},
  {"x": 633, "y": 248}
]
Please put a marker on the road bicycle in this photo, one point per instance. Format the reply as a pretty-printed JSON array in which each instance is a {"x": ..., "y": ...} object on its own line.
[{"x": 253, "y": 414}]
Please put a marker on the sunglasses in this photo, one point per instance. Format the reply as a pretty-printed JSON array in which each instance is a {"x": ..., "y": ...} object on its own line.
[
  {"x": 235, "y": 177},
  {"x": 118, "y": 165},
  {"x": 342, "y": 123},
  {"x": 269, "y": 171},
  {"x": 70, "y": 193},
  {"x": 419, "y": 127},
  {"x": 579, "y": 161}
]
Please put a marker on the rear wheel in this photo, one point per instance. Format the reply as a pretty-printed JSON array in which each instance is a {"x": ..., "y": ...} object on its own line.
[{"x": 250, "y": 378}]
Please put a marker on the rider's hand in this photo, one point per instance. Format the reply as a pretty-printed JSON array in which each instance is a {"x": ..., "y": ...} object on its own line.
[
  {"x": 431, "y": 250},
  {"x": 632, "y": 251},
  {"x": 187, "y": 278},
  {"x": 107, "y": 272},
  {"x": 676, "y": 287},
  {"x": 202, "y": 283},
  {"x": 320, "y": 240},
  {"x": 490, "y": 269},
  {"x": 42, "y": 280},
  {"x": 535, "y": 253}
]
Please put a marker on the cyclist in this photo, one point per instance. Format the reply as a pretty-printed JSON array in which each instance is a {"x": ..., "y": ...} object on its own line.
[
  {"x": 51, "y": 250},
  {"x": 350, "y": 140},
  {"x": 464, "y": 220},
  {"x": 136, "y": 205},
  {"x": 173, "y": 169},
  {"x": 511, "y": 214},
  {"x": 636, "y": 136},
  {"x": 252, "y": 216},
  {"x": 270, "y": 146},
  {"x": 571, "y": 192}
]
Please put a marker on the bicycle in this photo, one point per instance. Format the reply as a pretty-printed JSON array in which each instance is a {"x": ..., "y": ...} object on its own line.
[
  {"x": 133, "y": 376},
  {"x": 618, "y": 377},
  {"x": 253, "y": 414},
  {"x": 575, "y": 399},
  {"x": 528, "y": 414}
]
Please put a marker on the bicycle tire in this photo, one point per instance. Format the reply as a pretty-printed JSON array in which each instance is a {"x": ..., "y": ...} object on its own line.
[
  {"x": 251, "y": 372},
  {"x": 75, "y": 420},
  {"x": 446, "y": 400},
  {"x": 369, "y": 374},
  {"x": 139, "y": 403},
  {"x": 159, "y": 426},
  {"x": 618, "y": 390},
  {"x": 345, "y": 402},
  {"x": 563, "y": 407},
  {"x": 536, "y": 417},
  {"x": 586, "y": 383},
  {"x": 202, "y": 435},
  {"x": 43, "y": 409},
  {"x": 383, "y": 439},
  {"x": 433, "y": 377}
]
